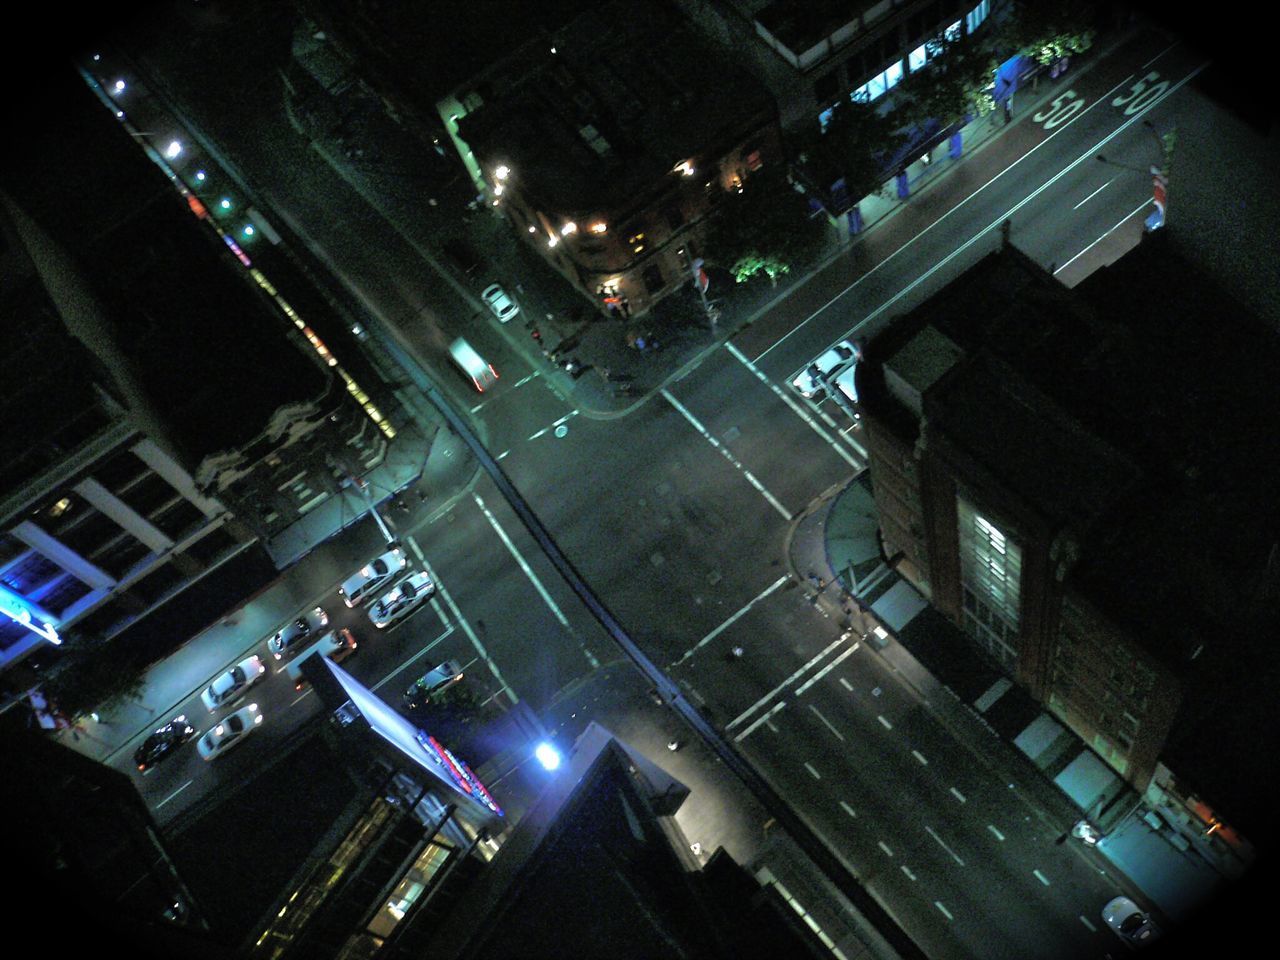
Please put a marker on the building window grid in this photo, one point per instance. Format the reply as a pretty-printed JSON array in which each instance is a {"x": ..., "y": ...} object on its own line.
[{"x": 991, "y": 566}]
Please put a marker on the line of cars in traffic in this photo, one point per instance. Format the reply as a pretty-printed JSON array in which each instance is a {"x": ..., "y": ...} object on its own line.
[{"x": 300, "y": 638}]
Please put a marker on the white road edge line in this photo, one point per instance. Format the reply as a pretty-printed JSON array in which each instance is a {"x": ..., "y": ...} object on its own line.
[
  {"x": 728, "y": 623},
  {"x": 724, "y": 452},
  {"x": 765, "y": 719},
  {"x": 826, "y": 721},
  {"x": 796, "y": 408},
  {"x": 783, "y": 685}
]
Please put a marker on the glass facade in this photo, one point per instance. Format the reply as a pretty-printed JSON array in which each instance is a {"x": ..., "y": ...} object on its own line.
[{"x": 991, "y": 578}]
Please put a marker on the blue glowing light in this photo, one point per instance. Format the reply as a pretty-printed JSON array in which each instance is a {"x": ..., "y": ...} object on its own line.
[{"x": 548, "y": 756}]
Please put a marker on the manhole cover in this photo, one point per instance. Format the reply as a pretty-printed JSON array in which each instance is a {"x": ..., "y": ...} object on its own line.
[
  {"x": 657, "y": 559},
  {"x": 562, "y": 430}
]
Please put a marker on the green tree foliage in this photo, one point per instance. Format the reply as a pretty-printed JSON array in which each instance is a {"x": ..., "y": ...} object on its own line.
[
  {"x": 1048, "y": 30},
  {"x": 765, "y": 227},
  {"x": 91, "y": 677},
  {"x": 951, "y": 85},
  {"x": 853, "y": 147}
]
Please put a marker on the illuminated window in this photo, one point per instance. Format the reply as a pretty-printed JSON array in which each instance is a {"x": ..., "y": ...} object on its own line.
[
  {"x": 637, "y": 242},
  {"x": 991, "y": 574},
  {"x": 599, "y": 227},
  {"x": 917, "y": 58},
  {"x": 975, "y": 17}
]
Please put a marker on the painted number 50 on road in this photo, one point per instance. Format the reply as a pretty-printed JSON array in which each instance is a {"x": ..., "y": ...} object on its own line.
[{"x": 1062, "y": 108}]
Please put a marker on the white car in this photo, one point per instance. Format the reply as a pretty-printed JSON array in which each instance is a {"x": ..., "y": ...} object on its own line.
[
  {"x": 232, "y": 685},
  {"x": 371, "y": 576},
  {"x": 229, "y": 731},
  {"x": 293, "y": 635},
  {"x": 499, "y": 302},
  {"x": 838, "y": 360},
  {"x": 1130, "y": 924},
  {"x": 405, "y": 597}
]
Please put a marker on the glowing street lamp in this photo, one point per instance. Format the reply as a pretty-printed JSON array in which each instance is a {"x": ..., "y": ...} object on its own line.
[{"x": 547, "y": 755}]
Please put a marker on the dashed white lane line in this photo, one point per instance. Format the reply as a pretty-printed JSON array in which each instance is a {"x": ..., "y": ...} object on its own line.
[
  {"x": 733, "y": 619},
  {"x": 825, "y": 670},
  {"x": 944, "y": 911},
  {"x": 885, "y": 847},
  {"x": 724, "y": 452},
  {"x": 958, "y": 795},
  {"x": 812, "y": 772},
  {"x": 1085, "y": 920},
  {"x": 954, "y": 855},
  {"x": 999, "y": 836},
  {"x": 567, "y": 417},
  {"x": 783, "y": 685},
  {"x": 765, "y": 719},
  {"x": 1041, "y": 877},
  {"x": 924, "y": 762},
  {"x": 781, "y": 393},
  {"x": 846, "y": 684},
  {"x": 826, "y": 721},
  {"x": 887, "y": 725},
  {"x": 848, "y": 809},
  {"x": 533, "y": 577},
  {"x": 1103, "y": 236},
  {"x": 910, "y": 875}
]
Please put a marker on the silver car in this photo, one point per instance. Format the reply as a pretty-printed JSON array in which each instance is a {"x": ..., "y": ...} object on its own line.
[
  {"x": 229, "y": 731},
  {"x": 232, "y": 684},
  {"x": 1129, "y": 923},
  {"x": 371, "y": 576},
  {"x": 405, "y": 597},
  {"x": 838, "y": 359},
  {"x": 293, "y": 636},
  {"x": 499, "y": 302}
]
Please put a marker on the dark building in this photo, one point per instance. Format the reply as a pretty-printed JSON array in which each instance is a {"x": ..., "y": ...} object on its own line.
[{"x": 1080, "y": 481}]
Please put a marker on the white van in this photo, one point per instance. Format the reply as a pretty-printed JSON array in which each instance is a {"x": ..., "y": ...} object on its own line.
[
  {"x": 472, "y": 364},
  {"x": 337, "y": 645}
]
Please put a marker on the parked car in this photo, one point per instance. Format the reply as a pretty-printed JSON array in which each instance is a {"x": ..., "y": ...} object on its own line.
[
  {"x": 229, "y": 731},
  {"x": 337, "y": 645},
  {"x": 294, "y": 635},
  {"x": 371, "y": 576},
  {"x": 1129, "y": 923},
  {"x": 432, "y": 683},
  {"x": 163, "y": 742},
  {"x": 402, "y": 599},
  {"x": 232, "y": 684},
  {"x": 477, "y": 369},
  {"x": 833, "y": 362},
  {"x": 499, "y": 302}
]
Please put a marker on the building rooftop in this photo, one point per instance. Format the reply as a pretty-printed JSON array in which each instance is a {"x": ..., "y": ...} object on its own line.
[
  {"x": 207, "y": 349},
  {"x": 603, "y": 119}
]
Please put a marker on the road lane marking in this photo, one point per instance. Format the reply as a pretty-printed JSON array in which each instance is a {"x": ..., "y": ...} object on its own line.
[
  {"x": 1088, "y": 154},
  {"x": 958, "y": 795},
  {"x": 765, "y": 719},
  {"x": 174, "y": 794},
  {"x": 886, "y": 723},
  {"x": 798, "y": 410},
  {"x": 771, "y": 725},
  {"x": 1085, "y": 921},
  {"x": 1094, "y": 194},
  {"x": 826, "y": 721},
  {"x": 471, "y": 634},
  {"x": 724, "y": 452},
  {"x": 812, "y": 772},
  {"x": 1041, "y": 877},
  {"x": 728, "y": 623},
  {"x": 999, "y": 835},
  {"x": 848, "y": 809},
  {"x": 910, "y": 875},
  {"x": 945, "y": 912},
  {"x": 885, "y": 847},
  {"x": 568, "y": 416},
  {"x": 935, "y": 836},
  {"x": 921, "y": 757},
  {"x": 783, "y": 685},
  {"x": 846, "y": 684},
  {"x": 825, "y": 670},
  {"x": 533, "y": 578},
  {"x": 1103, "y": 236}
]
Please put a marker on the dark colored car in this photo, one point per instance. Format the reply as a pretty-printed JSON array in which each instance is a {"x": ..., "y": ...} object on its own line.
[{"x": 163, "y": 742}]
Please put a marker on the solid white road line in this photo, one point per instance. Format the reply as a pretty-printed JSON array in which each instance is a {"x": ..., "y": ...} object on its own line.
[
  {"x": 765, "y": 719},
  {"x": 1103, "y": 236},
  {"x": 935, "y": 836},
  {"x": 826, "y": 721},
  {"x": 724, "y": 451},
  {"x": 728, "y": 623},
  {"x": 796, "y": 408},
  {"x": 825, "y": 670},
  {"x": 1088, "y": 154},
  {"x": 533, "y": 578},
  {"x": 1094, "y": 194},
  {"x": 471, "y": 634},
  {"x": 174, "y": 794},
  {"x": 784, "y": 684}
]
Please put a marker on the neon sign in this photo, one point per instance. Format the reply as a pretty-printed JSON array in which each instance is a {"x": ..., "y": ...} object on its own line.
[{"x": 12, "y": 608}]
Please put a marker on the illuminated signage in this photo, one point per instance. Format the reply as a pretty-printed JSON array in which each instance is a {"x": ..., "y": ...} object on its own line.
[{"x": 13, "y": 608}]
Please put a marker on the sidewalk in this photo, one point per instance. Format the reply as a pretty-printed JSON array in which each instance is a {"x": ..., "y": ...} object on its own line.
[
  {"x": 833, "y": 551},
  {"x": 446, "y": 474},
  {"x": 396, "y": 172}
]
